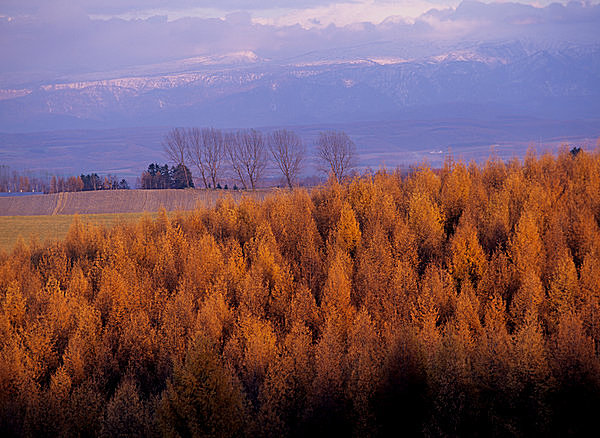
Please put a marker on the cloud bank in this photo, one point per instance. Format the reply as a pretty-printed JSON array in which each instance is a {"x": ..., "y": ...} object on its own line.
[{"x": 44, "y": 40}]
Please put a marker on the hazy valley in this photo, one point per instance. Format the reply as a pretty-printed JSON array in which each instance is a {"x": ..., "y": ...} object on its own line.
[{"x": 126, "y": 152}]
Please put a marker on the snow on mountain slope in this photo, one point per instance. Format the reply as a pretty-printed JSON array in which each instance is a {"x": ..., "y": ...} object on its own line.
[{"x": 506, "y": 78}]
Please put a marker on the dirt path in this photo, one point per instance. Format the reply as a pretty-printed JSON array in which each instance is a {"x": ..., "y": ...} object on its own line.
[{"x": 60, "y": 201}]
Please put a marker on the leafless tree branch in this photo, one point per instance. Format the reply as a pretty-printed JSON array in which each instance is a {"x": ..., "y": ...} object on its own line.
[
  {"x": 214, "y": 152},
  {"x": 247, "y": 154},
  {"x": 337, "y": 152},
  {"x": 207, "y": 152},
  {"x": 196, "y": 153},
  {"x": 175, "y": 145},
  {"x": 288, "y": 152}
]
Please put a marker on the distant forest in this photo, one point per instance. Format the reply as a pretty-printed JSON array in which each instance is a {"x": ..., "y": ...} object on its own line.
[
  {"x": 16, "y": 181},
  {"x": 458, "y": 302}
]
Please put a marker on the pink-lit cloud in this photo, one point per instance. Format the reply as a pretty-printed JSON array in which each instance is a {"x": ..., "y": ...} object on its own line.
[{"x": 42, "y": 40}]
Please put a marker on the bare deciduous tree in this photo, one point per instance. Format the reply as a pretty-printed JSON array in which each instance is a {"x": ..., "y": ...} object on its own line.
[
  {"x": 231, "y": 148},
  {"x": 196, "y": 153},
  {"x": 206, "y": 151},
  {"x": 247, "y": 153},
  {"x": 175, "y": 145},
  {"x": 337, "y": 153},
  {"x": 214, "y": 152},
  {"x": 288, "y": 152}
]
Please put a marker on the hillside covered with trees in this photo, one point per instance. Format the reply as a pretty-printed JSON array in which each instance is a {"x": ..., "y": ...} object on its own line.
[{"x": 458, "y": 302}]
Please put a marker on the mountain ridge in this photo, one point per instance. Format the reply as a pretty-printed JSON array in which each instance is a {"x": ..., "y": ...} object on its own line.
[{"x": 505, "y": 78}]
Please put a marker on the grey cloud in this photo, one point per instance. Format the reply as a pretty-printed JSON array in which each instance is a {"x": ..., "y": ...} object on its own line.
[
  {"x": 46, "y": 48},
  {"x": 239, "y": 18},
  {"x": 518, "y": 12},
  {"x": 109, "y": 7}
]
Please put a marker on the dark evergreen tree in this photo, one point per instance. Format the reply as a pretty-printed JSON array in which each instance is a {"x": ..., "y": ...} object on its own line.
[
  {"x": 181, "y": 177},
  {"x": 91, "y": 182},
  {"x": 157, "y": 177}
]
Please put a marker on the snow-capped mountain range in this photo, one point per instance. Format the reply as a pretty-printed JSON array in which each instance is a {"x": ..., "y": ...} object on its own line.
[{"x": 375, "y": 82}]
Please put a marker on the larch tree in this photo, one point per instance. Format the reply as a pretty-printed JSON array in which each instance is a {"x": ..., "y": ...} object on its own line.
[
  {"x": 259, "y": 351},
  {"x": 563, "y": 288},
  {"x": 283, "y": 399},
  {"x": 526, "y": 247},
  {"x": 328, "y": 403},
  {"x": 364, "y": 365},
  {"x": 126, "y": 414},
  {"x": 202, "y": 399},
  {"x": 527, "y": 299},
  {"x": 576, "y": 370},
  {"x": 347, "y": 236},
  {"x": 375, "y": 273},
  {"x": 468, "y": 259},
  {"x": 433, "y": 303},
  {"x": 455, "y": 191},
  {"x": 426, "y": 221}
]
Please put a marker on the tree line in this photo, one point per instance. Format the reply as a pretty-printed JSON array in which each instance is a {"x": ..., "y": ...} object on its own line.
[
  {"x": 246, "y": 154},
  {"x": 215, "y": 155},
  {"x": 85, "y": 183},
  {"x": 462, "y": 301},
  {"x": 15, "y": 181}
]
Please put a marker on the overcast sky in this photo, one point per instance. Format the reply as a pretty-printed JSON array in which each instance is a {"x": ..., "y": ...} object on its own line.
[
  {"x": 43, "y": 39},
  {"x": 308, "y": 13}
]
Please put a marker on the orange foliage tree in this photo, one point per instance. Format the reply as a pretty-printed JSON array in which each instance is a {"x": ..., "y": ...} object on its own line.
[{"x": 458, "y": 301}]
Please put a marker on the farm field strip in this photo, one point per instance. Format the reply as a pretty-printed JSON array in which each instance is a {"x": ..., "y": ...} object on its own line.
[
  {"x": 118, "y": 201},
  {"x": 52, "y": 227}
]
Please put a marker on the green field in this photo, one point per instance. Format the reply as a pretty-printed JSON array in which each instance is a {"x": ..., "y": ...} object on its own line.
[{"x": 52, "y": 228}]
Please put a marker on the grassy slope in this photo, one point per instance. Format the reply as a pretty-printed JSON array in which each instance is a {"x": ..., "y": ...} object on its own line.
[{"x": 115, "y": 201}]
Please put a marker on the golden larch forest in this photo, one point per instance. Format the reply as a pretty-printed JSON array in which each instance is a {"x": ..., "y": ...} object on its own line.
[{"x": 461, "y": 301}]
